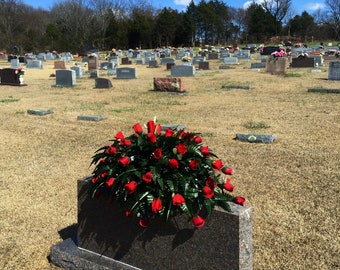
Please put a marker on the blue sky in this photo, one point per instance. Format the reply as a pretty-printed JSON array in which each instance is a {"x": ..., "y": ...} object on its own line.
[{"x": 298, "y": 5}]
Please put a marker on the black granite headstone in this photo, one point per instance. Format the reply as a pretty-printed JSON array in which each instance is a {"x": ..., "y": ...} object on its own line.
[
  {"x": 8, "y": 77},
  {"x": 102, "y": 83}
]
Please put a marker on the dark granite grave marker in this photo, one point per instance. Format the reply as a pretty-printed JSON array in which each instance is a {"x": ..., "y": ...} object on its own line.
[
  {"x": 93, "y": 73},
  {"x": 103, "y": 83},
  {"x": 167, "y": 60},
  {"x": 203, "y": 65},
  {"x": 213, "y": 56},
  {"x": 8, "y": 77},
  {"x": 126, "y": 61},
  {"x": 153, "y": 64},
  {"x": 303, "y": 62},
  {"x": 324, "y": 90},
  {"x": 107, "y": 238},
  {"x": 169, "y": 65}
]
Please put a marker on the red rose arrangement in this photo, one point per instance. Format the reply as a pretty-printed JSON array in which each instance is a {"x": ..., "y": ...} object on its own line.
[{"x": 163, "y": 173}]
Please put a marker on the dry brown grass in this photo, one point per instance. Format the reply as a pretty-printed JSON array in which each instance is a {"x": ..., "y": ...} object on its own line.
[{"x": 292, "y": 184}]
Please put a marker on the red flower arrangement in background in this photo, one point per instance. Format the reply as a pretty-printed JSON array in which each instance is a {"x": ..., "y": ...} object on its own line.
[{"x": 162, "y": 173}]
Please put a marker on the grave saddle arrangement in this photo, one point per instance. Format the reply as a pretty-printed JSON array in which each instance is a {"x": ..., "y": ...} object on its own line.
[
  {"x": 162, "y": 173},
  {"x": 20, "y": 71}
]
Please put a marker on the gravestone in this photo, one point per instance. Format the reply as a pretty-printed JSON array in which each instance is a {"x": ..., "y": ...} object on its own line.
[
  {"x": 79, "y": 71},
  {"x": 34, "y": 64},
  {"x": 182, "y": 71},
  {"x": 22, "y": 59},
  {"x": 93, "y": 62},
  {"x": 103, "y": 83},
  {"x": 277, "y": 65},
  {"x": 39, "y": 112},
  {"x": 59, "y": 64},
  {"x": 258, "y": 65},
  {"x": 224, "y": 54},
  {"x": 230, "y": 60},
  {"x": 94, "y": 73},
  {"x": 15, "y": 63},
  {"x": 243, "y": 54},
  {"x": 197, "y": 59},
  {"x": 318, "y": 60},
  {"x": 268, "y": 50},
  {"x": 153, "y": 64},
  {"x": 169, "y": 65},
  {"x": 256, "y": 138},
  {"x": 303, "y": 62},
  {"x": 213, "y": 56},
  {"x": 65, "y": 78},
  {"x": 168, "y": 84},
  {"x": 126, "y": 61},
  {"x": 95, "y": 118},
  {"x": 107, "y": 239},
  {"x": 126, "y": 73},
  {"x": 167, "y": 60},
  {"x": 334, "y": 71},
  {"x": 106, "y": 65},
  {"x": 203, "y": 65},
  {"x": 8, "y": 77},
  {"x": 139, "y": 61}
]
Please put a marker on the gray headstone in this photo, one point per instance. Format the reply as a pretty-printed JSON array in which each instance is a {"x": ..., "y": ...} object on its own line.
[
  {"x": 106, "y": 65},
  {"x": 256, "y": 138},
  {"x": 78, "y": 70},
  {"x": 258, "y": 65},
  {"x": 182, "y": 71},
  {"x": 91, "y": 118},
  {"x": 334, "y": 71},
  {"x": 15, "y": 63},
  {"x": 65, "y": 78},
  {"x": 173, "y": 127},
  {"x": 197, "y": 59},
  {"x": 103, "y": 83},
  {"x": 39, "y": 112},
  {"x": 230, "y": 60},
  {"x": 34, "y": 64},
  {"x": 167, "y": 60},
  {"x": 126, "y": 73}
]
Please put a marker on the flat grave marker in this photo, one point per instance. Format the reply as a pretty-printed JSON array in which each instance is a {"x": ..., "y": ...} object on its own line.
[
  {"x": 256, "y": 138},
  {"x": 39, "y": 112}
]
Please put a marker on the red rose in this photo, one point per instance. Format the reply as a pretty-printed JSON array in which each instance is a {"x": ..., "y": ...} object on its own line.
[
  {"x": 205, "y": 150},
  {"x": 169, "y": 132},
  {"x": 181, "y": 148},
  {"x": 198, "y": 222},
  {"x": 159, "y": 129},
  {"x": 110, "y": 182},
  {"x": 152, "y": 137},
  {"x": 103, "y": 174},
  {"x": 111, "y": 150},
  {"x": 138, "y": 128},
  {"x": 178, "y": 200},
  {"x": 239, "y": 200},
  {"x": 173, "y": 163},
  {"x": 124, "y": 161},
  {"x": 208, "y": 193},
  {"x": 198, "y": 139},
  {"x": 119, "y": 135},
  {"x": 193, "y": 164},
  {"x": 94, "y": 179},
  {"x": 130, "y": 187},
  {"x": 157, "y": 154},
  {"x": 228, "y": 171},
  {"x": 183, "y": 135},
  {"x": 228, "y": 186},
  {"x": 151, "y": 126},
  {"x": 217, "y": 164},
  {"x": 125, "y": 142},
  {"x": 147, "y": 177},
  {"x": 144, "y": 222},
  {"x": 156, "y": 205},
  {"x": 128, "y": 213},
  {"x": 210, "y": 182}
]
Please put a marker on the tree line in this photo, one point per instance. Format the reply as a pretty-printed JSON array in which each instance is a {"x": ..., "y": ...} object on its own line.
[{"x": 83, "y": 25}]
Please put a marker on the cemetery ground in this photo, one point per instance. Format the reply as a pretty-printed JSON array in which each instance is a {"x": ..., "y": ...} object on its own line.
[{"x": 292, "y": 184}]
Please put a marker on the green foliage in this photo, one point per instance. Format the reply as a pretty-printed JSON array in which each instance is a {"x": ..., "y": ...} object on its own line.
[
  {"x": 9, "y": 99},
  {"x": 256, "y": 125}
]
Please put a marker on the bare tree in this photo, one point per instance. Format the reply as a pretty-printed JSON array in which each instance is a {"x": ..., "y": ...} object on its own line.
[
  {"x": 332, "y": 15},
  {"x": 278, "y": 9}
]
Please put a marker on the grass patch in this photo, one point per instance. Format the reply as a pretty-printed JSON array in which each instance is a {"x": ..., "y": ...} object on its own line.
[
  {"x": 256, "y": 125},
  {"x": 291, "y": 75},
  {"x": 123, "y": 110},
  {"x": 9, "y": 99},
  {"x": 93, "y": 106}
]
